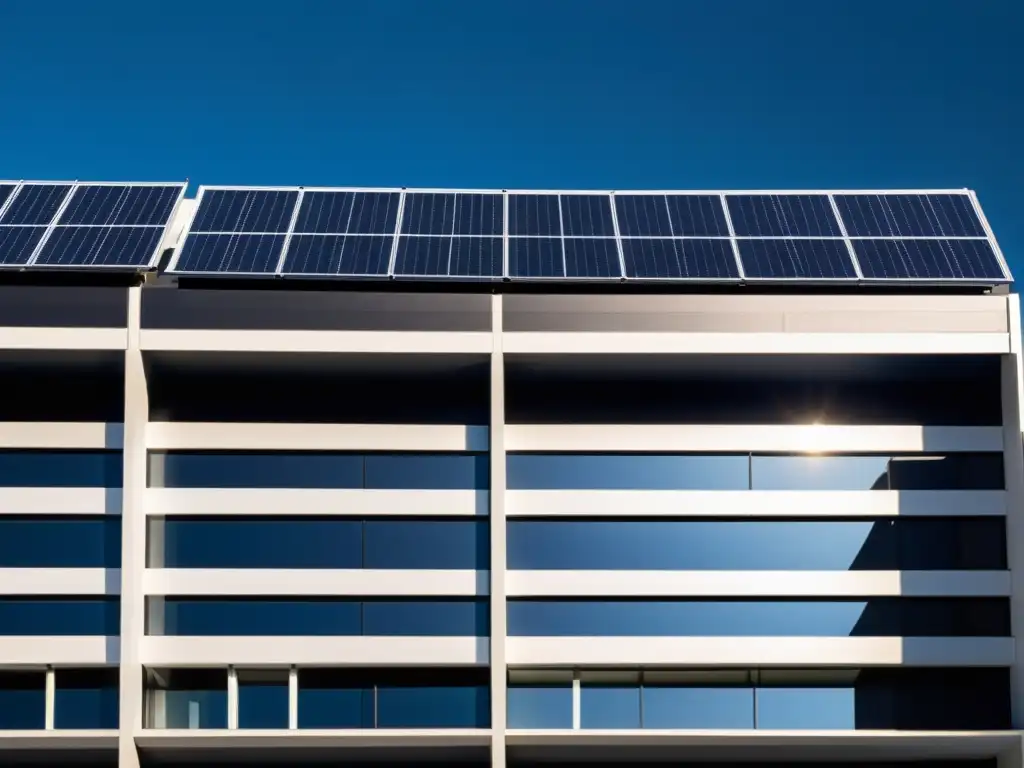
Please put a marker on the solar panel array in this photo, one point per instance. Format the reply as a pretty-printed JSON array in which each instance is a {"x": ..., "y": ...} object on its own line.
[
  {"x": 78, "y": 225},
  {"x": 633, "y": 236}
]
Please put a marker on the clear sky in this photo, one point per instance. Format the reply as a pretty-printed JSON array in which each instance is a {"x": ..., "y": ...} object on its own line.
[{"x": 611, "y": 94}]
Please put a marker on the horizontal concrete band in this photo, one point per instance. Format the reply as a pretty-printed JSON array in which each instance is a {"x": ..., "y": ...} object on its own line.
[
  {"x": 358, "y": 342},
  {"x": 759, "y": 651},
  {"x": 312, "y": 651},
  {"x": 92, "y": 650},
  {"x": 60, "y": 581},
  {"x": 184, "y": 435},
  {"x": 757, "y": 583},
  {"x": 315, "y": 501},
  {"x": 62, "y": 434},
  {"x": 60, "y": 501},
  {"x": 813, "y": 438},
  {"x": 63, "y": 338},
  {"x": 313, "y": 582},
  {"x": 739, "y": 504}
]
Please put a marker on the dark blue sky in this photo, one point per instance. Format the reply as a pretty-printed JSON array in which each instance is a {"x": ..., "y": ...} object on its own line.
[{"x": 525, "y": 94}]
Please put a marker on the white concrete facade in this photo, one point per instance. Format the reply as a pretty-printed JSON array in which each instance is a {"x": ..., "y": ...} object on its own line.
[{"x": 808, "y": 326}]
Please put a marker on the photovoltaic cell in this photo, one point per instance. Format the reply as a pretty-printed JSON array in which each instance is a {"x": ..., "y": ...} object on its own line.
[
  {"x": 367, "y": 213},
  {"x": 18, "y": 243},
  {"x": 643, "y": 215},
  {"x": 245, "y": 210},
  {"x": 449, "y": 257},
  {"x": 429, "y": 213},
  {"x": 35, "y": 204},
  {"x": 129, "y": 205},
  {"x": 787, "y": 259},
  {"x": 6, "y": 190},
  {"x": 928, "y": 259},
  {"x": 534, "y": 215},
  {"x": 665, "y": 258},
  {"x": 535, "y": 257},
  {"x": 671, "y": 216},
  {"x": 783, "y": 216},
  {"x": 100, "y": 246},
  {"x": 592, "y": 258},
  {"x": 587, "y": 215},
  {"x": 476, "y": 257},
  {"x": 238, "y": 253},
  {"x": 947, "y": 215},
  {"x": 338, "y": 255}
]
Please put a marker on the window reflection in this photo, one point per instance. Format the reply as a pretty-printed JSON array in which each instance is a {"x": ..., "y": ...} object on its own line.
[
  {"x": 187, "y": 698},
  {"x": 22, "y": 700},
  {"x": 609, "y": 705},
  {"x": 540, "y": 705},
  {"x": 626, "y": 472},
  {"x": 86, "y": 698},
  {"x": 60, "y": 616},
  {"x": 262, "y": 698},
  {"x": 60, "y": 469},
  {"x": 60, "y": 542}
]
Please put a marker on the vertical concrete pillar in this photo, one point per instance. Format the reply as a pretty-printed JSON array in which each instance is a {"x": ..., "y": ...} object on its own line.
[
  {"x": 497, "y": 525},
  {"x": 1013, "y": 463},
  {"x": 133, "y": 536}
]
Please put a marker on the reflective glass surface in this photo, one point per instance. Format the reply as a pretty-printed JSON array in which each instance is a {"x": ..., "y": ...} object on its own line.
[
  {"x": 806, "y": 708},
  {"x": 86, "y": 698},
  {"x": 609, "y": 706},
  {"x": 237, "y": 253},
  {"x": 861, "y": 473},
  {"x": 875, "y": 617},
  {"x": 119, "y": 204},
  {"x": 909, "y": 215},
  {"x": 315, "y": 617},
  {"x": 614, "y": 472},
  {"x": 187, "y": 698},
  {"x": 433, "y": 707},
  {"x": 786, "y": 545},
  {"x": 245, "y": 210},
  {"x": 667, "y": 706},
  {"x": 427, "y": 471},
  {"x": 540, "y": 706},
  {"x": 68, "y": 542},
  {"x": 262, "y": 703},
  {"x": 60, "y": 616},
  {"x": 22, "y": 700},
  {"x": 60, "y": 469},
  {"x": 100, "y": 246},
  {"x": 366, "y": 213}
]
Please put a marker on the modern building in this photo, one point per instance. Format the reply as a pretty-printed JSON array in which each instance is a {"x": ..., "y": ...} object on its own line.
[{"x": 296, "y": 476}]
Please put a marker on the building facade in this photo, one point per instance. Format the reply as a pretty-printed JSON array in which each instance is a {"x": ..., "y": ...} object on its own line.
[{"x": 423, "y": 523}]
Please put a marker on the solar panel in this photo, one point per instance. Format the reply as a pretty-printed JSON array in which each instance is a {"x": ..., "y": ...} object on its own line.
[
  {"x": 791, "y": 259},
  {"x": 6, "y": 190},
  {"x": 783, "y": 216},
  {"x": 592, "y": 258},
  {"x": 536, "y": 257},
  {"x": 238, "y": 253},
  {"x": 430, "y": 213},
  {"x": 677, "y": 259},
  {"x": 420, "y": 256},
  {"x": 587, "y": 216},
  {"x": 245, "y": 210},
  {"x": 348, "y": 213},
  {"x": 336, "y": 255},
  {"x": 928, "y": 260},
  {"x": 534, "y": 215},
  {"x": 904, "y": 215},
  {"x": 671, "y": 216},
  {"x": 47, "y": 224}
]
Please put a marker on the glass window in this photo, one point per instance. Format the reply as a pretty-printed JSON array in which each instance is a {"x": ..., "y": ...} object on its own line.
[
  {"x": 627, "y": 472},
  {"x": 441, "y": 544},
  {"x": 22, "y": 700},
  {"x": 86, "y": 698},
  {"x": 336, "y": 698},
  {"x": 262, "y": 699},
  {"x": 187, "y": 698},
  {"x": 60, "y": 542},
  {"x": 59, "y": 616},
  {"x": 952, "y": 544},
  {"x": 806, "y": 708},
  {"x": 959, "y": 471},
  {"x": 418, "y": 618},
  {"x": 428, "y": 471},
  {"x": 540, "y": 705},
  {"x": 433, "y": 706},
  {"x": 879, "y": 617},
  {"x": 819, "y": 473},
  {"x": 671, "y": 706},
  {"x": 609, "y": 705},
  {"x": 255, "y": 543},
  {"x": 60, "y": 469},
  {"x": 295, "y": 469}
]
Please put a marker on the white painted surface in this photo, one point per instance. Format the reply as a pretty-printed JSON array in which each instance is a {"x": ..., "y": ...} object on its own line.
[
  {"x": 669, "y": 343},
  {"x": 63, "y": 338},
  {"x": 312, "y": 582},
  {"x": 758, "y": 583},
  {"x": 358, "y": 342},
  {"x": 807, "y": 438},
  {"x": 61, "y": 434},
  {"x": 760, "y": 651},
  {"x": 59, "y": 650},
  {"x": 60, "y": 501},
  {"x": 185, "y": 435},
  {"x": 312, "y": 651},
  {"x": 314, "y": 501},
  {"x": 60, "y": 581},
  {"x": 307, "y": 738},
  {"x": 733, "y": 504}
]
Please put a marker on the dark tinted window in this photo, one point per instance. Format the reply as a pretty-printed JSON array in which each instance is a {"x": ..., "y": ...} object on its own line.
[
  {"x": 613, "y": 472},
  {"x": 316, "y": 617},
  {"x": 255, "y": 470},
  {"x": 697, "y": 707},
  {"x": 22, "y": 700},
  {"x": 442, "y": 544},
  {"x": 60, "y": 469},
  {"x": 68, "y": 542},
  {"x": 187, "y": 698},
  {"x": 433, "y": 706},
  {"x": 86, "y": 698},
  {"x": 880, "y": 617},
  {"x": 441, "y": 471},
  {"x": 262, "y": 699},
  {"x": 540, "y": 705},
  {"x": 335, "y": 698},
  {"x": 964, "y": 471},
  {"x": 609, "y": 706},
  {"x": 59, "y": 616},
  {"x": 890, "y": 544},
  {"x": 862, "y": 473},
  {"x": 803, "y": 708}
]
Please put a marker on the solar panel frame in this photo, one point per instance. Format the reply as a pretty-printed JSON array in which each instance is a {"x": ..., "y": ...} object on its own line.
[{"x": 54, "y": 225}]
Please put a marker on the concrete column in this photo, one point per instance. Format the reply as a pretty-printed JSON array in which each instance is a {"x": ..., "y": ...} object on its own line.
[
  {"x": 497, "y": 524},
  {"x": 51, "y": 699},
  {"x": 1013, "y": 463},
  {"x": 133, "y": 536}
]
